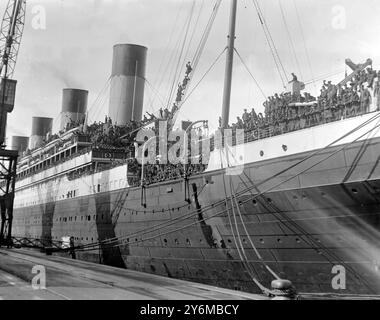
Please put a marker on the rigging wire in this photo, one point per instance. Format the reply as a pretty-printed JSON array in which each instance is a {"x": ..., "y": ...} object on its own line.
[
  {"x": 304, "y": 43},
  {"x": 293, "y": 166},
  {"x": 272, "y": 46},
  {"x": 242, "y": 256},
  {"x": 309, "y": 239},
  {"x": 290, "y": 38},
  {"x": 242, "y": 202},
  {"x": 204, "y": 76},
  {"x": 160, "y": 71},
  {"x": 97, "y": 104},
  {"x": 250, "y": 73},
  {"x": 156, "y": 93},
  {"x": 324, "y": 77},
  {"x": 176, "y": 72},
  {"x": 233, "y": 194},
  {"x": 149, "y": 230},
  {"x": 198, "y": 53}
]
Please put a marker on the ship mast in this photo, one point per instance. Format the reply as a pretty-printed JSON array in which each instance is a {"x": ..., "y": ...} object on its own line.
[{"x": 229, "y": 66}]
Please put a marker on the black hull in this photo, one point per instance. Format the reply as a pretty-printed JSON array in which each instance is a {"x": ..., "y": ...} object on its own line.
[{"x": 326, "y": 216}]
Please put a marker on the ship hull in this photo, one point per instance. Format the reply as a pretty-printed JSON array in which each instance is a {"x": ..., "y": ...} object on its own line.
[{"x": 312, "y": 224}]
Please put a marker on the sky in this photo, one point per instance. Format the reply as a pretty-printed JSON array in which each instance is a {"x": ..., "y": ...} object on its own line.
[{"x": 68, "y": 44}]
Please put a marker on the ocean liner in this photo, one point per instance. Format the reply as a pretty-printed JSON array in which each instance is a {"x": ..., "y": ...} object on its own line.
[{"x": 296, "y": 200}]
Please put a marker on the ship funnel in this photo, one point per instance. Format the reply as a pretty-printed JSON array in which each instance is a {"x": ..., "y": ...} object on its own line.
[
  {"x": 74, "y": 107},
  {"x": 41, "y": 127},
  {"x": 127, "y": 83},
  {"x": 20, "y": 144}
]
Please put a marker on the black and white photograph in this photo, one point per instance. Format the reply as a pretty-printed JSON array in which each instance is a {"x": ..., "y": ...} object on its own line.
[{"x": 222, "y": 153}]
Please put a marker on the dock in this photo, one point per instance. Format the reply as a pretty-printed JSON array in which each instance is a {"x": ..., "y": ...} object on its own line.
[{"x": 68, "y": 279}]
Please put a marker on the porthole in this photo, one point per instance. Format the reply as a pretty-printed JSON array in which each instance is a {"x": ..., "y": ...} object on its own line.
[
  {"x": 284, "y": 147},
  {"x": 355, "y": 191},
  {"x": 261, "y": 240},
  {"x": 254, "y": 201},
  {"x": 261, "y": 153}
]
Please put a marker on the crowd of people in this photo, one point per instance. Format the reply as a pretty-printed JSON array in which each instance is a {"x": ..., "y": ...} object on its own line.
[
  {"x": 288, "y": 112},
  {"x": 155, "y": 173}
]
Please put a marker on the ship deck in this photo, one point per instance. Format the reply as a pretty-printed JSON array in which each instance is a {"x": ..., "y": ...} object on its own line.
[{"x": 68, "y": 279}]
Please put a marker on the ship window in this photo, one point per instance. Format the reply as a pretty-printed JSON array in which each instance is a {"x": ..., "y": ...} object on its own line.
[
  {"x": 89, "y": 218},
  {"x": 98, "y": 187},
  {"x": 354, "y": 191},
  {"x": 254, "y": 201},
  {"x": 261, "y": 153}
]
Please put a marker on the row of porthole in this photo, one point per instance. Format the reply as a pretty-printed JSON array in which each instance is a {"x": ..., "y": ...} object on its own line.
[
  {"x": 69, "y": 219},
  {"x": 295, "y": 197},
  {"x": 188, "y": 242},
  {"x": 261, "y": 240},
  {"x": 77, "y": 238}
]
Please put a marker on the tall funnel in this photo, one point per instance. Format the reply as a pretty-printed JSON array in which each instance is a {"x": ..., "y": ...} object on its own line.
[
  {"x": 74, "y": 107},
  {"x": 127, "y": 83},
  {"x": 41, "y": 127},
  {"x": 20, "y": 144}
]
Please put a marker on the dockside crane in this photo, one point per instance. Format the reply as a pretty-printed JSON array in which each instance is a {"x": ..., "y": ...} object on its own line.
[{"x": 12, "y": 28}]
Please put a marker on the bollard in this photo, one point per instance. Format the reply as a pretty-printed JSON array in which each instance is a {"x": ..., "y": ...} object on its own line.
[{"x": 283, "y": 290}]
